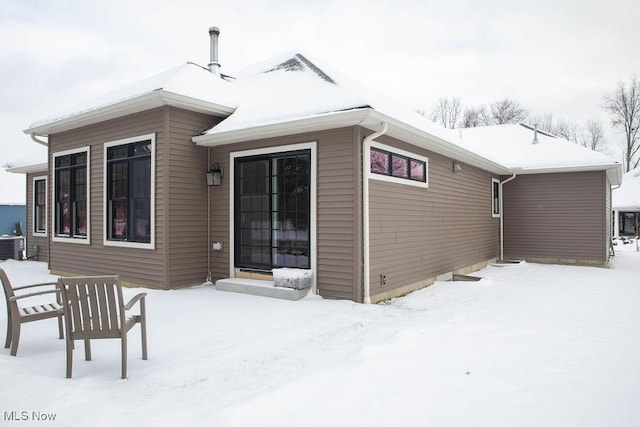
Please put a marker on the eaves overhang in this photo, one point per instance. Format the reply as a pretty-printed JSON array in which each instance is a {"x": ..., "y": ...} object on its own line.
[
  {"x": 366, "y": 117},
  {"x": 33, "y": 168},
  {"x": 613, "y": 170},
  {"x": 147, "y": 101}
]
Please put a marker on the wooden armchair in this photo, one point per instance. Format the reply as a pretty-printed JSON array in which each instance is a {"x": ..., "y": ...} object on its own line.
[
  {"x": 17, "y": 314},
  {"x": 94, "y": 308}
]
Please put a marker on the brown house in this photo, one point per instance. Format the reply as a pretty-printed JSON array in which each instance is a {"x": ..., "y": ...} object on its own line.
[{"x": 311, "y": 172}]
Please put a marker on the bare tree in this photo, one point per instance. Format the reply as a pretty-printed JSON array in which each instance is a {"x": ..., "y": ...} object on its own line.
[
  {"x": 475, "y": 116},
  {"x": 567, "y": 130},
  {"x": 544, "y": 123},
  {"x": 593, "y": 135},
  {"x": 624, "y": 108},
  {"x": 507, "y": 111},
  {"x": 447, "y": 112}
]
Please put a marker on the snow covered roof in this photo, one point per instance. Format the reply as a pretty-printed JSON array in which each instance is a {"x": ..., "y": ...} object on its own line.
[
  {"x": 627, "y": 196},
  {"x": 187, "y": 86},
  {"x": 512, "y": 145},
  {"x": 291, "y": 94},
  {"x": 284, "y": 88}
]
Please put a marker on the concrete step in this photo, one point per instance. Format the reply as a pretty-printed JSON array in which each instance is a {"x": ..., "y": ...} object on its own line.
[{"x": 261, "y": 288}]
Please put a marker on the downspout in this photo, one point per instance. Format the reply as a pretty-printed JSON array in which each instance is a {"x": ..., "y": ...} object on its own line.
[
  {"x": 39, "y": 141},
  {"x": 208, "y": 282},
  {"x": 502, "y": 214},
  {"x": 366, "y": 148},
  {"x": 616, "y": 215}
]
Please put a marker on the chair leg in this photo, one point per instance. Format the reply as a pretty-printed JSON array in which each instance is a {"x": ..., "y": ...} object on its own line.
[
  {"x": 15, "y": 337},
  {"x": 8, "y": 341},
  {"x": 143, "y": 329},
  {"x": 124, "y": 355},
  {"x": 60, "y": 328},
  {"x": 87, "y": 349},
  {"x": 69, "y": 357}
]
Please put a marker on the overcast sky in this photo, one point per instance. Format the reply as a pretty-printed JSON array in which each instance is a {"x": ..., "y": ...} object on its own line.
[{"x": 555, "y": 57}]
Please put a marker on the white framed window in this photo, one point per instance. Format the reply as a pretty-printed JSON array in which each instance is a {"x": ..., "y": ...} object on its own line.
[
  {"x": 496, "y": 196},
  {"x": 394, "y": 165},
  {"x": 39, "y": 214},
  {"x": 129, "y": 192},
  {"x": 71, "y": 196}
]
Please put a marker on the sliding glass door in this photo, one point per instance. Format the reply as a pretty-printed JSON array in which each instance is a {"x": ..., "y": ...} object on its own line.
[{"x": 272, "y": 210}]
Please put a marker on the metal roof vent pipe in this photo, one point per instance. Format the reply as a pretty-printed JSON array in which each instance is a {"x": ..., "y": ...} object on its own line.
[
  {"x": 214, "y": 65},
  {"x": 535, "y": 133}
]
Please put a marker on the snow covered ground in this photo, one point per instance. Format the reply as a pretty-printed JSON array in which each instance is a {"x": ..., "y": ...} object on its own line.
[{"x": 528, "y": 345}]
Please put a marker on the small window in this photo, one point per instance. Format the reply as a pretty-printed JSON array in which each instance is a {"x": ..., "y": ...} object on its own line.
[
  {"x": 397, "y": 165},
  {"x": 39, "y": 205},
  {"x": 495, "y": 198}
]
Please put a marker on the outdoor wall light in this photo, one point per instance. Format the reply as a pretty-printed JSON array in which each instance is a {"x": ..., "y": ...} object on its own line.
[
  {"x": 214, "y": 176},
  {"x": 456, "y": 167}
]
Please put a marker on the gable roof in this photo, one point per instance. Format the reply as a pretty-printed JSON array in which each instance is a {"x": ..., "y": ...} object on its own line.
[
  {"x": 627, "y": 196},
  {"x": 187, "y": 86},
  {"x": 512, "y": 145}
]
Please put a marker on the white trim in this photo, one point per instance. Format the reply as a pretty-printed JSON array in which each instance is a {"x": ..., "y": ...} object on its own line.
[
  {"x": 365, "y": 117},
  {"x": 136, "y": 245},
  {"x": 493, "y": 182},
  {"x": 35, "y": 233},
  {"x": 393, "y": 179},
  {"x": 72, "y": 239},
  {"x": 312, "y": 195},
  {"x": 132, "y": 105}
]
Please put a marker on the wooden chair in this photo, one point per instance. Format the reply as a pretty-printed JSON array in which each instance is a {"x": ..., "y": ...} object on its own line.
[
  {"x": 94, "y": 309},
  {"x": 17, "y": 315}
]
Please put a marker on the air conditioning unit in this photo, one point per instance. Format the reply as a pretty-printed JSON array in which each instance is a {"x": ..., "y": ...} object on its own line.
[{"x": 11, "y": 247}]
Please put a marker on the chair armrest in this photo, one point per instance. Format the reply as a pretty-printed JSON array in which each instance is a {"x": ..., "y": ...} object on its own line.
[
  {"x": 33, "y": 294},
  {"x": 17, "y": 288},
  {"x": 134, "y": 300}
]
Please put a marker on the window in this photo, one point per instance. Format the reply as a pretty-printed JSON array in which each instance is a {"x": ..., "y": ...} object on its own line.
[
  {"x": 70, "y": 194},
  {"x": 397, "y": 166},
  {"x": 272, "y": 210},
  {"x": 495, "y": 198},
  {"x": 129, "y": 191},
  {"x": 40, "y": 205}
]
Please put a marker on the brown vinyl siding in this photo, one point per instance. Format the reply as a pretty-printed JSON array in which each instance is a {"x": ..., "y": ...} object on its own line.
[
  {"x": 187, "y": 202},
  {"x": 337, "y": 244},
  {"x": 558, "y": 217},
  {"x": 140, "y": 266},
  {"x": 419, "y": 233},
  {"x": 338, "y": 215},
  {"x": 180, "y": 254}
]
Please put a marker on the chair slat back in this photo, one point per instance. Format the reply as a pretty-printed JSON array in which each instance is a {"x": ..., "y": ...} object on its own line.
[{"x": 93, "y": 304}]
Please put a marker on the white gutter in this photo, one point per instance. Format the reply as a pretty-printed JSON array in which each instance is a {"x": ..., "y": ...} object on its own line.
[
  {"x": 366, "y": 148},
  {"x": 134, "y": 104},
  {"x": 39, "y": 141},
  {"x": 502, "y": 215}
]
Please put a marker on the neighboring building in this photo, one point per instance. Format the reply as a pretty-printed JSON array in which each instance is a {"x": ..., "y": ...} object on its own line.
[
  {"x": 626, "y": 205},
  {"x": 10, "y": 216},
  {"x": 313, "y": 172}
]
